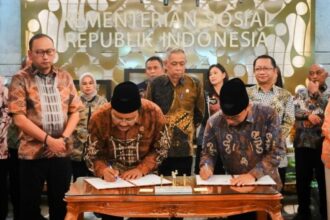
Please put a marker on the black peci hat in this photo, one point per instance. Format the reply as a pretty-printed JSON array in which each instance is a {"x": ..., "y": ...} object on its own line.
[
  {"x": 126, "y": 97},
  {"x": 233, "y": 97}
]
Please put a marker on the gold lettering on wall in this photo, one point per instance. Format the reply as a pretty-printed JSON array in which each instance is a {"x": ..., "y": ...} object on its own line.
[{"x": 107, "y": 36}]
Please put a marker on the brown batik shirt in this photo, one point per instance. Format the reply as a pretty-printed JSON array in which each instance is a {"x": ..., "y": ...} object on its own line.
[
  {"x": 143, "y": 146},
  {"x": 25, "y": 98},
  {"x": 183, "y": 106}
]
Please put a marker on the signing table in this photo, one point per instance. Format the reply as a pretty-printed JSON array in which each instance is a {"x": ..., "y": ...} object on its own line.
[{"x": 204, "y": 201}]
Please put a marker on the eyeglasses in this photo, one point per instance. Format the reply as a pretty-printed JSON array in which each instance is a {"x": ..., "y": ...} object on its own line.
[
  {"x": 127, "y": 120},
  {"x": 259, "y": 69},
  {"x": 41, "y": 53}
]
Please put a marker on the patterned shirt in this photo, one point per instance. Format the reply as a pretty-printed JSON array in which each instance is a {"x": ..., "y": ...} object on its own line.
[
  {"x": 81, "y": 133},
  {"x": 5, "y": 121},
  {"x": 279, "y": 99},
  {"x": 307, "y": 135},
  {"x": 254, "y": 146},
  {"x": 13, "y": 136},
  {"x": 183, "y": 106},
  {"x": 145, "y": 145},
  {"x": 25, "y": 98}
]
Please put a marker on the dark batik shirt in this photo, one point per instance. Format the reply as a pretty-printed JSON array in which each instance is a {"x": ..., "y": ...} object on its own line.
[
  {"x": 254, "y": 146},
  {"x": 307, "y": 135},
  {"x": 143, "y": 146},
  {"x": 183, "y": 106}
]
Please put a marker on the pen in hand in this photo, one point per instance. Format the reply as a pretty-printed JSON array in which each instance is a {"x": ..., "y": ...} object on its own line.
[{"x": 113, "y": 172}]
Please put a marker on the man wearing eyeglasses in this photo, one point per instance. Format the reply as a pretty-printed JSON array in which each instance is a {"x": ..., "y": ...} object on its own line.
[
  {"x": 129, "y": 133},
  {"x": 310, "y": 105},
  {"x": 45, "y": 107},
  {"x": 246, "y": 136},
  {"x": 267, "y": 93}
]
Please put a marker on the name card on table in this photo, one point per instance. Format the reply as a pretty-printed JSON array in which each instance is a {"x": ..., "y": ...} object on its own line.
[{"x": 170, "y": 190}]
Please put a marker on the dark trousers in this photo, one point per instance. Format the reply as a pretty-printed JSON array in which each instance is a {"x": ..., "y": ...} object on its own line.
[
  {"x": 79, "y": 169},
  {"x": 14, "y": 181},
  {"x": 198, "y": 158},
  {"x": 181, "y": 164},
  {"x": 3, "y": 189},
  {"x": 308, "y": 165},
  {"x": 33, "y": 174},
  {"x": 282, "y": 172}
]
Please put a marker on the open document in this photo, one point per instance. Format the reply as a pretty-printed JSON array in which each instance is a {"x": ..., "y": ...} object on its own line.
[
  {"x": 99, "y": 183},
  {"x": 225, "y": 180},
  {"x": 147, "y": 180}
]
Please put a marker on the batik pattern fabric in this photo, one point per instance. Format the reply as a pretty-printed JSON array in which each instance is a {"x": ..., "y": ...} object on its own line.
[
  {"x": 26, "y": 98},
  {"x": 254, "y": 146},
  {"x": 13, "y": 136},
  {"x": 183, "y": 106},
  {"x": 5, "y": 121},
  {"x": 80, "y": 134},
  {"x": 306, "y": 134},
  {"x": 144, "y": 146},
  {"x": 280, "y": 100}
]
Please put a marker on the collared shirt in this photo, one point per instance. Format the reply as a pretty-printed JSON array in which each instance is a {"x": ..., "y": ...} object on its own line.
[
  {"x": 5, "y": 121},
  {"x": 183, "y": 106},
  {"x": 143, "y": 146},
  {"x": 280, "y": 100},
  {"x": 306, "y": 134},
  {"x": 24, "y": 98},
  {"x": 254, "y": 146},
  {"x": 81, "y": 132}
]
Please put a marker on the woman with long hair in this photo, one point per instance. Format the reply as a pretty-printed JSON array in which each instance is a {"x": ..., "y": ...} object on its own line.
[{"x": 216, "y": 77}]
